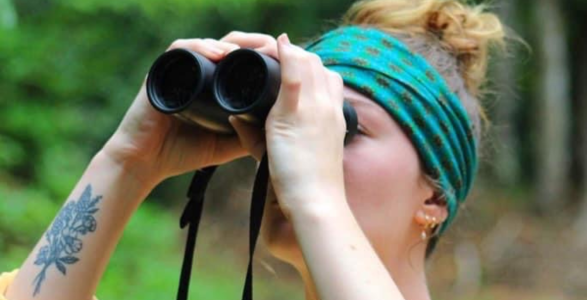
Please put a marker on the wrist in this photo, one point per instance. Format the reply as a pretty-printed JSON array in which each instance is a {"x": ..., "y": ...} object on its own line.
[
  {"x": 137, "y": 173},
  {"x": 320, "y": 206}
]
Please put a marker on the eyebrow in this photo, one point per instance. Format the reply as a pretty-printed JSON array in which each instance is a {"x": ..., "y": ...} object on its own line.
[
  {"x": 372, "y": 116},
  {"x": 355, "y": 101}
]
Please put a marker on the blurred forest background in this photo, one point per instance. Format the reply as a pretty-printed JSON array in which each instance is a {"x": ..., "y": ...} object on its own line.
[{"x": 69, "y": 70}]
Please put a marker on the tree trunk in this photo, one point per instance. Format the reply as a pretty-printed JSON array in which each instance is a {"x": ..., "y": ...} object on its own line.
[
  {"x": 506, "y": 167},
  {"x": 552, "y": 122},
  {"x": 581, "y": 84}
]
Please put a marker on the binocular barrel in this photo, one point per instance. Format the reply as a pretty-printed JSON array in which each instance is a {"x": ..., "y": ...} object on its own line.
[{"x": 245, "y": 84}]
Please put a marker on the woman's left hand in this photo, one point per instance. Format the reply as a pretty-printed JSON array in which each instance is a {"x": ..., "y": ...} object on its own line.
[{"x": 305, "y": 132}]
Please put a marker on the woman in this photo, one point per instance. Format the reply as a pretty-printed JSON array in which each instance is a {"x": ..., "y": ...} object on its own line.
[{"x": 358, "y": 221}]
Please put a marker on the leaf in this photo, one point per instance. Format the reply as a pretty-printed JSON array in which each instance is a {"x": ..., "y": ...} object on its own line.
[
  {"x": 85, "y": 198},
  {"x": 60, "y": 267},
  {"x": 69, "y": 260},
  {"x": 57, "y": 225},
  {"x": 42, "y": 256},
  {"x": 37, "y": 281},
  {"x": 95, "y": 201},
  {"x": 40, "y": 261}
]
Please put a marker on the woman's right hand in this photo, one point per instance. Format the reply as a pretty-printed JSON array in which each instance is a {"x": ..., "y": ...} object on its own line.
[{"x": 153, "y": 146}]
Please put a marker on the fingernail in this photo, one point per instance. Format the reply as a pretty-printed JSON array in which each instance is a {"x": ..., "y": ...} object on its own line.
[
  {"x": 231, "y": 119},
  {"x": 285, "y": 38}
]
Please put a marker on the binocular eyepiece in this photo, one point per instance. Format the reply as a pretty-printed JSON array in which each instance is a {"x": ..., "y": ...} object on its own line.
[{"x": 245, "y": 84}]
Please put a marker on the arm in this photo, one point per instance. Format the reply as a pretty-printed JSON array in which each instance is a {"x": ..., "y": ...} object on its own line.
[
  {"x": 305, "y": 132},
  {"x": 70, "y": 258},
  {"x": 340, "y": 259}
]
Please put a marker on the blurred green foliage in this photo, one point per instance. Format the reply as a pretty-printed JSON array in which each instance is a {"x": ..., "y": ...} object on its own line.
[
  {"x": 68, "y": 72},
  {"x": 69, "y": 69}
]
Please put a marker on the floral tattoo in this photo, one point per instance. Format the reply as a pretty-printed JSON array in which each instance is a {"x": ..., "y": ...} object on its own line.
[{"x": 75, "y": 220}]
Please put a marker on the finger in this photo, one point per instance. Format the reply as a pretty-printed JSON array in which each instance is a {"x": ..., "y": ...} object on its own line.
[
  {"x": 226, "y": 46},
  {"x": 261, "y": 42},
  {"x": 291, "y": 77},
  {"x": 336, "y": 85},
  {"x": 270, "y": 49},
  {"x": 319, "y": 83},
  {"x": 228, "y": 148},
  {"x": 336, "y": 94},
  {"x": 220, "y": 148},
  {"x": 208, "y": 50},
  {"x": 311, "y": 74},
  {"x": 251, "y": 137},
  {"x": 249, "y": 40}
]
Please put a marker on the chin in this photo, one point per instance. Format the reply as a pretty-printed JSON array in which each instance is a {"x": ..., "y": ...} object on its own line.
[{"x": 278, "y": 233}]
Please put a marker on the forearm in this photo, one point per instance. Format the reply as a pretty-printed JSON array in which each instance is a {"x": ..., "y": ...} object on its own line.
[
  {"x": 71, "y": 256},
  {"x": 341, "y": 261}
]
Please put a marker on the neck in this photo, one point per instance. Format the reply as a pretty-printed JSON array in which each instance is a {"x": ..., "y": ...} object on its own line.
[{"x": 407, "y": 271}]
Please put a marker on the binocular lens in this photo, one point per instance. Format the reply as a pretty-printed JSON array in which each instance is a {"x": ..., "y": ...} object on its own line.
[
  {"x": 245, "y": 83},
  {"x": 176, "y": 79},
  {"x": 241, "y": 80}
]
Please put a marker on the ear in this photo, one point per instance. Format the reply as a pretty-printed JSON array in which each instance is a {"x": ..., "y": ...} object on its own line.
[{"x": 432, "y": 211}]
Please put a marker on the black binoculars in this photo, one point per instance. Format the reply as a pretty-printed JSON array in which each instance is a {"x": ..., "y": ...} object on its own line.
[{"x": 245, "y": 84}]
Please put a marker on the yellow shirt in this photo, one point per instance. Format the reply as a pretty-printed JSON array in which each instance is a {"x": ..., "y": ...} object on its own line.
[{"x": 5, "y": 281}]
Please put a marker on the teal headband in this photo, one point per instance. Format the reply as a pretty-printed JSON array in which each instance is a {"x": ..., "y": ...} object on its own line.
[{"x": 417, "y": 97}]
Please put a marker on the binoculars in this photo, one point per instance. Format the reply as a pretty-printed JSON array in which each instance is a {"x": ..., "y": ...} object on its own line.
[{"x": 196, "y": 90}]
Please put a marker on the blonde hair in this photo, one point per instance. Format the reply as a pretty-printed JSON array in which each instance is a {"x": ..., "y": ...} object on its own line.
[{"x": 455, "y": 38}]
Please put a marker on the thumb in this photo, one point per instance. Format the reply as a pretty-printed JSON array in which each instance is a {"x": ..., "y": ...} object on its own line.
[
  {"x": 291, "y": 79},
  {"x": 251, "y": 137}
]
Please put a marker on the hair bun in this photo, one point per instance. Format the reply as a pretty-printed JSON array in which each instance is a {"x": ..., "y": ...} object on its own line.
[{"x": 465, "y": 31}]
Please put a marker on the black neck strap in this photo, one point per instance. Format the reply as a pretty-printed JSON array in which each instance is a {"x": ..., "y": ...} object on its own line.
[{"x": 192, "y": 215}]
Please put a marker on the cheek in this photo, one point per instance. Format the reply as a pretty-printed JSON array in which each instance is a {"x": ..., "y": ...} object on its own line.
[
  {"x": 277, "y": 232},
  {"x": 381, "y": 177}
]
